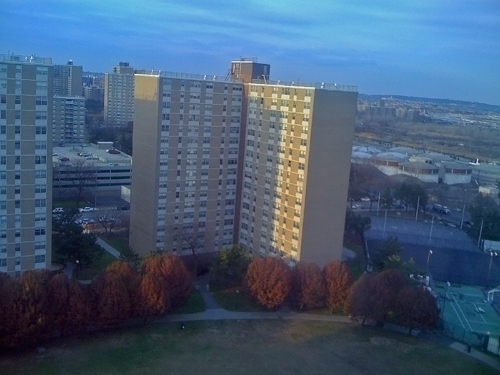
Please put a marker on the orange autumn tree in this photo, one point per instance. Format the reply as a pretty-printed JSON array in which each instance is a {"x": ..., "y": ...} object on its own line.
[
  {"x": 155, "y": 300},
  {"x": 308, "y": 286},
  {"x": 69, "y": 307},
  {"x": 132, "y": 281},
  {"x": 110, "y": 300},
  {"x": 175, "y": 273},
  {"x": 269, "y": 281},
  {"x": 338, "y": 280}
]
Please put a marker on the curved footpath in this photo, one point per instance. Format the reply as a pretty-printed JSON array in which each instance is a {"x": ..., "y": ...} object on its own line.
[{"x": 215, "y": 312}]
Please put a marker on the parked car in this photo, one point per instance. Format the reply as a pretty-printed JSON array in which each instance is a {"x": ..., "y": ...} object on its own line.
[
  {"x": 58, "y": 210},
  {"x": 105, "y": 219},
  {"x": 441, "y": 209},
  {"x": 113, "y": 151},
  {"x": 86, "y": 209},
  {"x": 365, "y": 199}
]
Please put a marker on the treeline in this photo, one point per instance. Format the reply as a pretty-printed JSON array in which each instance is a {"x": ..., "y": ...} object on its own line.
[
  {"x": 386, "y": 297},
  {"x": 40, "y": 305}
]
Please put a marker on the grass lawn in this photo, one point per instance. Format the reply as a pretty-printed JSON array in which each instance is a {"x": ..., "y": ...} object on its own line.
[
  {"x": 194, "y": 304},
  {"x": 229, "y": 299},
  {"x": 97, "y": 266},
  {"x": 245, "y": 347},
  {"x": 119, "y": 243}
]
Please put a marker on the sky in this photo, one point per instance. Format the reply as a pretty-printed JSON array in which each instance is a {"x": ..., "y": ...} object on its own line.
[{"x": 448, "y": 49}]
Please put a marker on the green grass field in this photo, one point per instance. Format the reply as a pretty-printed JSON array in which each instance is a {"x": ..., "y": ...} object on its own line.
[
  {"x": 119, "y": 243},
  {"x": 245, "y": 347}
]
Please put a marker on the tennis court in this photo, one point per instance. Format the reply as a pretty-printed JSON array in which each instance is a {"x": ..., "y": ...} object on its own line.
[{"x": 466, "y": 313}]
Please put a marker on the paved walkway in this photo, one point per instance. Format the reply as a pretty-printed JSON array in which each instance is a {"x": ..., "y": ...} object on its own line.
[
  {"x": 110, "y": 249},
  {"x": 215, "y": 312}
]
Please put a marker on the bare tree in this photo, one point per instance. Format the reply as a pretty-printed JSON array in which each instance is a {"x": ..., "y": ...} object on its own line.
[
  {"x": 81, "y": 174},
  {"x": 110, "y": 219},
  {"x": 190, "y": 237}
]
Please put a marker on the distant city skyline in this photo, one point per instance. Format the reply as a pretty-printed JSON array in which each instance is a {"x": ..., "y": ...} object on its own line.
[{"x": 446, "y": 49}]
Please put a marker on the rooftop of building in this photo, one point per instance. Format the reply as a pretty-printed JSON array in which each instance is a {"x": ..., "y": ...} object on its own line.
[
  {"x": 314, "y": 85},
  {"x": 91, "y": 154},
  {"x": 215, "y": 78},
  {"x": 31, "y": 59}
]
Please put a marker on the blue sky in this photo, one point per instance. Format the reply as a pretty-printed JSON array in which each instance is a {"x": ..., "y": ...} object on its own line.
[{"x": 442, "y": 49}]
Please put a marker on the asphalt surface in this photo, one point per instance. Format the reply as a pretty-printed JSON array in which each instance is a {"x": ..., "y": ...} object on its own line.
[{"x": 455, "y": 256}]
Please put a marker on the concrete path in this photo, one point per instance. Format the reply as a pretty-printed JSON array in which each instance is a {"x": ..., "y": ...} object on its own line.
[{"x": 110, "y": 249}]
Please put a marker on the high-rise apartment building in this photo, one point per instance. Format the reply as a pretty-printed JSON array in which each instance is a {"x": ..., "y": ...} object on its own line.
[
  {"x": 264, "y": 164},
  {"x": 68, "y": 80},
  {"x": 68, "y": 120},
  {"x": 296, "y": 169},
  {"x": 186, "y": 149},
  {"x": 69, "y": 104},
  {"x": 25, "y": 162},
  {"x": 119, "y": 96}
]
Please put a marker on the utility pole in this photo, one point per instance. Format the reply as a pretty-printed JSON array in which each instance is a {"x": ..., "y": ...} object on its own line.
[
  {"x": 480, "y": 233},
  {"x": 416, "y": 213}
]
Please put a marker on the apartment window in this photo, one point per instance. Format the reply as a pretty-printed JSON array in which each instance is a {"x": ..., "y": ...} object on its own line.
[
  {"x": 17, "y": 130},
  {"x": 40, "y": 258},
  {"x": 39, "y": 231},
  {"x": 40, "y": 203}
]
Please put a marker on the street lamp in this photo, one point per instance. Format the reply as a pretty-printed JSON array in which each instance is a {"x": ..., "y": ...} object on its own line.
[
  {"x": 492, "y": 254},
  {"x": 77, "y": 266},
  {"x": 237, "y": 297},
  {"x": 428, "y": 259}
]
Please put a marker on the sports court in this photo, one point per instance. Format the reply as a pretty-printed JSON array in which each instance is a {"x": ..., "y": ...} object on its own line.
[{"x": 466, "y": 313}]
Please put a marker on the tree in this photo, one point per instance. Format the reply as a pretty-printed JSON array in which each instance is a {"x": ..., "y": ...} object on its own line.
[
  {"x": 175, "y": 273},
  {"x": 375, "y": 296},
  {"x": 132, "y": 281},
  {"x": 358, "y": 302},
  {"x": 110, "y": 300},
  {"x": 308, "y": 286},
  {"x": 70, "y": 311},
  {"x": 269, "y": 281},
  {"x": 486, "y": 213},
  {"x": 81, "y": 174},
  {"x": 155, "y": 300},
  {"x": 416, "y": 308},
  {"x": 28, "y": 312},
  {"x": 130, "y": 256},
  {"x": 70, "y": 243},
  {"x": 8, "y": 318},
  {"x": 230, "y": 266},
  {"x": 387, "y": 198},
  {"x": 388, "y": 255},
  {"x": 357, "y": 224},
  {"x": 191, "y": 238},
  {"x": 338, "y": 280},
  {"x": 385, "y": 289}
]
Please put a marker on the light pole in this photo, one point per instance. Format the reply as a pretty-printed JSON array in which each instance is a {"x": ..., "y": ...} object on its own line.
[
  {"x": 428, "y": 259},
  {"x": 237, "y": 297},
  {"x": 492, "y": 254},
  {"x": 430, "y": 233},
  {"x": 77, "y": 266}
]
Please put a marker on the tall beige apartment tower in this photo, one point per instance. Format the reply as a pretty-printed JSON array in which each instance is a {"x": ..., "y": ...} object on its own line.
[
  {"x": 263, "y": 164},
  {"x": 119, "y": 96},
  {"x": 25, "y": 163},
  {"x": 296, "y": 169},
  {"x": 186, "y": 150}
]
